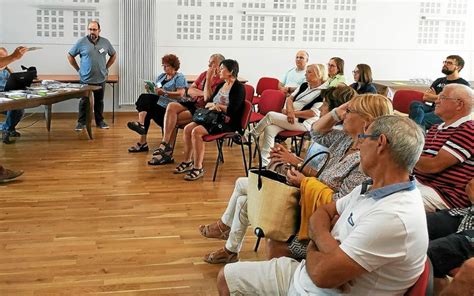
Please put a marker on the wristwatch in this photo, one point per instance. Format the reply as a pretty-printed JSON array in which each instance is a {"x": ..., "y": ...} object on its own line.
[{"x": 299, "y": 166}]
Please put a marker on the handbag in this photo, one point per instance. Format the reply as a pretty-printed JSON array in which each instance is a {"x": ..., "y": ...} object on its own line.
[
  {"x": 273, "y": 204},
  {"x": 208, "y": 117},
  {"x": 163, "y": 101}
]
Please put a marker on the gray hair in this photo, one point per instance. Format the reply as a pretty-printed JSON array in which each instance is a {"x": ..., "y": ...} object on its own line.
[
  {"x": 219, "y": 57},
  {"x": 405, "y": 139}
]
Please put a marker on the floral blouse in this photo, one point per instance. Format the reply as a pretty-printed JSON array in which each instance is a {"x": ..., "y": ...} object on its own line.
[{"x": 342, "y": 174}]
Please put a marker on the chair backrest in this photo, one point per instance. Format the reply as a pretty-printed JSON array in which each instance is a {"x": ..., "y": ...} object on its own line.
[
  {"x": 424, "y": 284},
  {"x": 271, "y": 100},
  {"x": 265, "y": 83},
  {"x": 249, "y": 91},
  {"x": 246, "y": 116},
  {"x": 404, "y": 97}
]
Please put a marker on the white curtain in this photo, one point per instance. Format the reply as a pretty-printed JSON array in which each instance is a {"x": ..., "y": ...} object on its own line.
[{"x": 137, "y": 39}]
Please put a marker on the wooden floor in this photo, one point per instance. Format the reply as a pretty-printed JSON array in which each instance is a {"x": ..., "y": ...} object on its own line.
[{"x": 88, "y": 218}]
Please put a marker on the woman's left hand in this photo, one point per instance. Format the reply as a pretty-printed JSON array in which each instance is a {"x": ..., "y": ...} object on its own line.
[
  {"x": 290, "y": 116},
  {"x": 294, "y": 177},
  {"x": 281, "y": 154}
]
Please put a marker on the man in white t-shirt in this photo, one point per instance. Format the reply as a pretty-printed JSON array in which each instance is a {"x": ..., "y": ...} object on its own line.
[
  {"x": 295, "y": 76},
  {"x": 371, "y": 242}
]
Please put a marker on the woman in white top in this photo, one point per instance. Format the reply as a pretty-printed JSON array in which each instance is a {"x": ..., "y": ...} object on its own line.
[{"x": 302, "y": 109}]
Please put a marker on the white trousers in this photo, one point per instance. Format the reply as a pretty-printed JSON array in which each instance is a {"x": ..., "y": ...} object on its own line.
[
  {"x": 235, "y": 215},
  {"x": 431, "y": 199},
  {"x": 271, "y": 125}
]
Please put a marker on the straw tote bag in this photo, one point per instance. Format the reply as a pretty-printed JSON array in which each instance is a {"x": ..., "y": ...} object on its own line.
[{"x": 273, "y": 205}]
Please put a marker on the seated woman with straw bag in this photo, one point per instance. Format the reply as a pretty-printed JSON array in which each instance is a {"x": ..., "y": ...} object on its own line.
[
  {"x": 342, "y": 168},
  {"x": 234, "y": 222}
]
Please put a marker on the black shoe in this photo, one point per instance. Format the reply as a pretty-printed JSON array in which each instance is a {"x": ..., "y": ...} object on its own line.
[
  {"x": 15, "y": 134},
  {"x": 102, "y": 125},
  {"x": 80, "y": 127},
  {"x": 241, "y": 140},
  {"x": 6, "y": 138},
  {"x": 136, "y": 127}
]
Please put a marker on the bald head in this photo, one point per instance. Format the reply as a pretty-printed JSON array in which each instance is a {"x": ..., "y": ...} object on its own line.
[
  {"x": 454, "y": 102},
  {"x": 463, "y": 93},
  {"x": 301, "y": 59}
]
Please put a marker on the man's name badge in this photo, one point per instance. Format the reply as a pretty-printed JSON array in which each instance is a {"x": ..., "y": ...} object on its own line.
[{"x": 101, "y": 50}]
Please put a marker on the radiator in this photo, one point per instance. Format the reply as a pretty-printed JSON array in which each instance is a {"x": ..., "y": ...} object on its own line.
[{"x": 137, "y": 56}]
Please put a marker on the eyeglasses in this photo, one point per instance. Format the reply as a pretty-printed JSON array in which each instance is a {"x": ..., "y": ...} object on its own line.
[
  {"x": 355, "y": 71},
  {"x": 300, "y": 58},
  {"x": 348, "y": 110},
  {"x": 371, "y": 136},
  {"x": 445, "y": 98},
  {"x": 449, "y": 63},
  {"x": 332, "y": 66},
  {"x": 365, "y": 136},
  {"x": 93, "y": 30}
]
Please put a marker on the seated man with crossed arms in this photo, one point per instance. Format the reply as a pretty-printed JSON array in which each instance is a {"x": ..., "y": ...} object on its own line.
[{"x": 378, "y": 243}]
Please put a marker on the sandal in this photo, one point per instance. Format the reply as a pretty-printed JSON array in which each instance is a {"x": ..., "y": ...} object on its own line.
[
  {"x": 139, "y": 148},
  {"x": 194, "y": 174},
  {"x": 160, "y": 151},
  {"x": 221, "y": 256},
  {"x": 183, "y": 167},
  {"x": 137, "y": 127},
  {"x": 214, "y": 230},
  {"x": 164, "y": 159}
]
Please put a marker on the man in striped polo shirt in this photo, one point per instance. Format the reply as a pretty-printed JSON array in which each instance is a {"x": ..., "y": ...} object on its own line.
[{"x": 447, "y": 163}]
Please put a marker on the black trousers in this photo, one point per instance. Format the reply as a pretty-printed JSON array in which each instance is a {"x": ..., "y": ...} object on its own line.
[
  {"x": 98, "y": 105},
  {"x": 447, "y": 249},
  {"x": 149, "y": 103}
]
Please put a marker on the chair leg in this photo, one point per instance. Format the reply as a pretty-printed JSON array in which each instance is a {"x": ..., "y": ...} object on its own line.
[
  {"x": 301, "y": 146},
  {"x": 243, "y": 158},
  {"x": 221, "y": 144},
  {"x": 219, "y": 157},
  {"x": 176, "y": 130}
]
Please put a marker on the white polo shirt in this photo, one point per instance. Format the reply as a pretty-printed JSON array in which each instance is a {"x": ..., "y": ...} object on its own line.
[{"x": 385, "y": 232}]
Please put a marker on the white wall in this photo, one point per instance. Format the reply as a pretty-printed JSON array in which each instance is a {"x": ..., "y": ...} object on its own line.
[
  {"x": 385, "y": 37},
  {"x": 19, "y": 27}
]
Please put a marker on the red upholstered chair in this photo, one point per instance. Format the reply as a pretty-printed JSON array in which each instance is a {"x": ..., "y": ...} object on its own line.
[
  {"x": 219, "y": 138},
  {"x": 249, "y": 92},
  {"x": 424, "y": 284},
  {"x": 404, "y": 97},
  {"x": 263, "y": 84},
  {"x": 294, "y": 135},
  {"x": 271, "y": 100}
]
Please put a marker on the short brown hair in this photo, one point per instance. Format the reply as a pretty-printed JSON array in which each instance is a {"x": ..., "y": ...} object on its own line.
[
  {"x": 459, "y": 60},
  {"x": 336, "y": 96},
  {"x": 171, "y": 60},
  {"x": 365, "y": 73}
]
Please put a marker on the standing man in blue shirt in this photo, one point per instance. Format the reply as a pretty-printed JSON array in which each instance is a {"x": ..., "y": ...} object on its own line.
[{"x": 93, "y": 51}]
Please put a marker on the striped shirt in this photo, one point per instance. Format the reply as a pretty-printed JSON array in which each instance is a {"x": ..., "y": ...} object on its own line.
[{"x": 456, "y": 139}]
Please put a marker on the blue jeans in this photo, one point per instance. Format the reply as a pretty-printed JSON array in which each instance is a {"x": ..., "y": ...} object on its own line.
[
  {"x": 13, "y": 118},
  {"x": 423, "y": 115}
]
